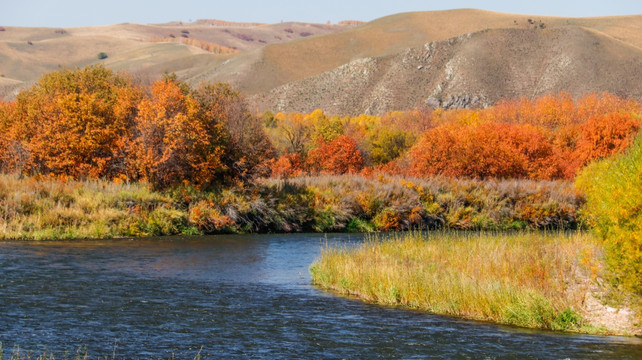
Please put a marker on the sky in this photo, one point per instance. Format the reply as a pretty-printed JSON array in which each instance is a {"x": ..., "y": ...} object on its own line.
[{"x": 70, "y": 13}]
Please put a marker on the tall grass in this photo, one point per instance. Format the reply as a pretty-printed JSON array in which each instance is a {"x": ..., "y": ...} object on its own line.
[
  {"x": 398, "y": 203},
  {"x": 48, "y": 208},
  {"x": 44, "y": 208},
  {"x": 529, "y": 279}
]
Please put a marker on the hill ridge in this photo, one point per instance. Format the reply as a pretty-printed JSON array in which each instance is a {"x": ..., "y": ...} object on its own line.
[{"x": 305, "y": 60}]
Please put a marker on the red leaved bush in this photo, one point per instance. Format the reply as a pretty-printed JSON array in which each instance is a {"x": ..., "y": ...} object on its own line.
[
  {"x": 339, "y": 156},
  {"x": 549, "y": 138}
]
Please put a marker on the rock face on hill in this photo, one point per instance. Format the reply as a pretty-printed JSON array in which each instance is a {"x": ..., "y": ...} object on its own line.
[{"x": 471, "y": 70}]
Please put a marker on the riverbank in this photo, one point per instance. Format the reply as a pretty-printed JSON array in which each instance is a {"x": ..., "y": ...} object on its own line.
[
  {"x": 535, "y": 280},
  {"x": 44, "y": 208}
]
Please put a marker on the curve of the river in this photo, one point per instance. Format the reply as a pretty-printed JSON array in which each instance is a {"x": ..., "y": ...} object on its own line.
[{"x": 233, "y": 297}]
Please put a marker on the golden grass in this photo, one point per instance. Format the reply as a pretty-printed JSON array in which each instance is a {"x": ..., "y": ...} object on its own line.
[
  {"x": 44, "y": 208},
  {"x": 531, "y": 280}
]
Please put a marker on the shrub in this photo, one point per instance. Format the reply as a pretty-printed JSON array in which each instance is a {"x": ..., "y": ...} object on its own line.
[
  {"x": 339, "y": 156},
  {"x": 613, "y": 189},
  {"x": 208, "y": 219}
]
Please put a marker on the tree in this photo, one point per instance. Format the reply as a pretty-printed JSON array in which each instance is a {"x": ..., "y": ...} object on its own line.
[
  {"x": 286, "y": 166},
  {"x": 76, "y": 122},
  {"x": 604, "y": 135},
  {"x": 339, "y": 156},
  {"x": 386, "y": 145},
  {"x": 484, "y": 150},
  {"x": 613, "y": 188},
  {"x": 8, "y": 159},
  {"x": 247, "y": 145},
  {"x": 174, "y": 142}
]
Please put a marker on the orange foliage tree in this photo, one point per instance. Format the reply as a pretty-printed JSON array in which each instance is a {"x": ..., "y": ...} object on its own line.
[
  {"x": 173, "y": 141},
  {"x": 76, "y": 123},
  {"x": 286, "y": 166},
  {"x": 247, "y": 146},
  {"x": 547, "y": 138},
  {"x": 339, "y": 156},
  {"x": 604, "y": 135},
  {"x": 482, "y": 150},
  {"x": 6, "y": 136}
]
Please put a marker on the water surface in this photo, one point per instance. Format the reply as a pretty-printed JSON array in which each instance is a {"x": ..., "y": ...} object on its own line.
[{"x": 234, "y": 297}]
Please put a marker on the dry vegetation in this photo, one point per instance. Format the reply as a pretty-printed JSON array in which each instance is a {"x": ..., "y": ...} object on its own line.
[
  {"x": 45, "y": 208},
  {"x": 530, "y": 280}
]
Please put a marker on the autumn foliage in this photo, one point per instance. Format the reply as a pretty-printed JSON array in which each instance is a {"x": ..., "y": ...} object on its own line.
[
  {"x": 613, "y": 189},
  {"x": 339, "y": 156},
  {"x": 93, "y": 123},
  {"x": 173, "y": 141},
  {"x": 76, "y": 123},
  {"x": 549, "y": 138}
]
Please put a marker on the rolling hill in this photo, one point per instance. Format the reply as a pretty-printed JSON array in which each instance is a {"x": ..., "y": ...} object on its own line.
[
  {"x": 470, "y": 70},
  {"x": 455, "y": 58},
  {"x": 188, "y": 49}
]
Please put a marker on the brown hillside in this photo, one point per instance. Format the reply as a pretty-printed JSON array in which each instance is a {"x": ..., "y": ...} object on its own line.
[
  {"x": 27, "y": 53},
  {"x": 470, "y": 70},
  {"x": 292, "y": 66},
  {"x": 279, "y": 64}
]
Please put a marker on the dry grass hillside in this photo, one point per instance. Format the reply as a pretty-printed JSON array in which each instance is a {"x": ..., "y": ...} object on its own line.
[
  {"x": 451, "y": 58},
  {"x": 470, "y": 70},
  {"x": 188, "y": 49},
  {"x": 279, "y": 64}
]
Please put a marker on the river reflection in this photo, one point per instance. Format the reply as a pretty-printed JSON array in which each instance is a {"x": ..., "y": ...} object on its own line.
[{"x": 236, "y": 297}]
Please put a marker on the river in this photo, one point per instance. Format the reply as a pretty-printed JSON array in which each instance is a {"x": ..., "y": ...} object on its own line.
[{"x": 233, "y": 297}]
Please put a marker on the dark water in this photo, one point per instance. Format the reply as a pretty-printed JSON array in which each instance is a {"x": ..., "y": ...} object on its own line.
[{"x": 236, "y": 297}]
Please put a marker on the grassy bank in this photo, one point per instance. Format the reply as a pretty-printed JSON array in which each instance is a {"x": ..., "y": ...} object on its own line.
[
  {"x": 531, "y": 280},
  {"x": 53, "y": 208},
  {"x": 44, "y": 208}
]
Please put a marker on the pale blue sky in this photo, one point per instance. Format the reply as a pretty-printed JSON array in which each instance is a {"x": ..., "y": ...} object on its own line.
[{"x": 68, "y": 13}]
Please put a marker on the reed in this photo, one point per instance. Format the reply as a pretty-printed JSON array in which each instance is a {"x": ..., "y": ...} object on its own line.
[
  {"x": 533, "y": 280},
  {"x": 40, "y": 208},
  {"x": 45, "y": 207}
]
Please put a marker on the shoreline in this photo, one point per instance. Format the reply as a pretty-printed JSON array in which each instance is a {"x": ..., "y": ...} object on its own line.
[
  {"x": 43, "y": 208},
  {"x": 551, "y": 299}
]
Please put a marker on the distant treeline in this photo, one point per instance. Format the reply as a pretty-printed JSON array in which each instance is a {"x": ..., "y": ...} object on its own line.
[
  {"x": 551, "y": 137},
  {"x": 94, "y": 123}
]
